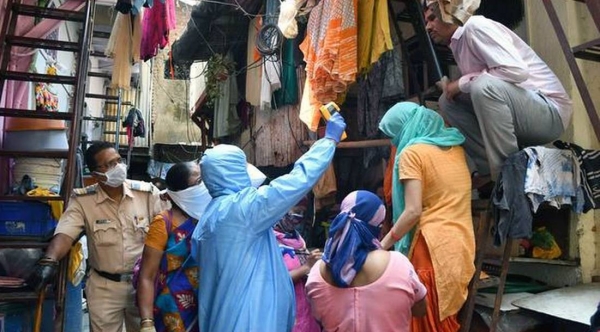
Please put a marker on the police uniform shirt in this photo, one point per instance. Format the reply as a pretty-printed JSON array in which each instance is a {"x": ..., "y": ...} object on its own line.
[{"x": 115, "y": 230}]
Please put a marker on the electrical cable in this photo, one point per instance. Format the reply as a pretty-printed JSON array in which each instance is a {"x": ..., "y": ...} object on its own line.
[{"x": 269, "y": 39}]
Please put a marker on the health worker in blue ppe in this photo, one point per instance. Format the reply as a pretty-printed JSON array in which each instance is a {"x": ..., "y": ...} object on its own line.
[{"x": 244, "y": 284}]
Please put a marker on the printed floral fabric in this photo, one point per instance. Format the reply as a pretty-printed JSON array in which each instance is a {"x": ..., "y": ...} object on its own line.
[{"x": 176, "y": 307}]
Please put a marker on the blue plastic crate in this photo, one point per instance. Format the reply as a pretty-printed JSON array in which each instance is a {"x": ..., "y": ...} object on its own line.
[
  {"x": 16, "y": 317},
  {"x": 25, "y": 219}
]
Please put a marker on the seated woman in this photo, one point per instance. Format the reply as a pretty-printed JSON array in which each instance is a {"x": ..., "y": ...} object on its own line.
[
  {"x": 298, "y": 261},
  {"x": 358, "y": 286},
  {"x": 431, "y": 197},
  {"x": 173, "y": 304}
]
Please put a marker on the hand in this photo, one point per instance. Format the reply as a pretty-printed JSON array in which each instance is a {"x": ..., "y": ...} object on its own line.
[
  {"x": 451, "y": 90},
  {"x": 387, "y": 242},
  {"x": 43, "y": 274},
  {"x": 335, "y": 127},
  {"x": 314, "y": 257}
]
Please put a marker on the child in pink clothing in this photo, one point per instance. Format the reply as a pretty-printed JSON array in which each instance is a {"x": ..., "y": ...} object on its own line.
[
  {"x": 298, "y": 261},
  {"x": 358, "y": 286}
]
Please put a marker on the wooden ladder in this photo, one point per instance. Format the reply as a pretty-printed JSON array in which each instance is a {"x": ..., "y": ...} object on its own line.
[
  {"x": 483, "y": 223},
  {"x": 423, "y": 62},
  {"x": 79, "y": 11}
]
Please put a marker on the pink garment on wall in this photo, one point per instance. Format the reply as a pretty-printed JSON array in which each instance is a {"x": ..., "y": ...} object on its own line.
[{"x": 158, "y": 22}]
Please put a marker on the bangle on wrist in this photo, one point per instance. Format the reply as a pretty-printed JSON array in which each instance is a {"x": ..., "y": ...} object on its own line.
[
  {"x": 395, "y": 236},
  {"x": 146, "y": 320}
]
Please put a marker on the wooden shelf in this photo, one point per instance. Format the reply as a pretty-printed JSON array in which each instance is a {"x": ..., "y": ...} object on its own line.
[
  {"x": 528, "y": 260},
  {"x": 30, "y": 198},
  {"x": 33, "y": 114},
  {"x": 24, "y": 296},
  {"x": 54, "y": 154},
  {"x": 490, "y": 281},
  {"x": 20, "y": 243},
  {"x": 544, "y": 261}
]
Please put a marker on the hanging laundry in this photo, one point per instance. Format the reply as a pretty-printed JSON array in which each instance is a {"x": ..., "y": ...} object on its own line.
[
  {"x": 254, "y": 63},
  {"x": 330, "y": 52},
  {"x": 589, "y": 165},
  {"x": 288, "y": 93},
  {"x": 158, "y": 22},
  {"x": 226, "y": 121},
  {"x": 326, "y": 188},
  {"x": 309, "y": 107},
  {"x": 456, "y": 11},
  {"x": 552, "y": 177},
  {"x": 287, "y": 17},
  {"x": 511, "y": 211},
  {"x": 124, "y": 47},
  {"x": 133, "y": 6},
  {"x": 270, "y": 81},
  {"x": 134, "y": 122},
  {"x": 374, "y": 37},
  {"x": 383, "y": 81}
]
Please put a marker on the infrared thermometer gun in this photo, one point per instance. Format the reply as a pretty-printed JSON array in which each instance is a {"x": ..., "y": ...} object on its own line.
[{"x": 328, "y": 110}]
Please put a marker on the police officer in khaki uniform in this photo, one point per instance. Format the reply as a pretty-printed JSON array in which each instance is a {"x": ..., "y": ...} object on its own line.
[{"x": 115, "y": 215}]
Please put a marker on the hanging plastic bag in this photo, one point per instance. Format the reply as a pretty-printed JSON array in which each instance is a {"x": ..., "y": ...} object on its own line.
[{"x": 287, "y": 18}]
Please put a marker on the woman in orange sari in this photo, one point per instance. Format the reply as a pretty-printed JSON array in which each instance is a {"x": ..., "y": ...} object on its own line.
[{"x": 431, "y": 197}]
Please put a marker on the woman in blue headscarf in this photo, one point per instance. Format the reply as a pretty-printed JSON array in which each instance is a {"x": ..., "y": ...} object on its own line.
[
  {"x": 358, "y": 286},
  {"x": 431, "y": 196}
]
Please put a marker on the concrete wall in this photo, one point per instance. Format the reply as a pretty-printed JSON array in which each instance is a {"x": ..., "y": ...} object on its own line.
[
  {"x": 579, "y": 28},
  {"x": 170, "y": 100}
]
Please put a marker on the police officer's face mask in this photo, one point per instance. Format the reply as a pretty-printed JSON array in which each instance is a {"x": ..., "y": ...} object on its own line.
[{"x": 116, "y": 175}]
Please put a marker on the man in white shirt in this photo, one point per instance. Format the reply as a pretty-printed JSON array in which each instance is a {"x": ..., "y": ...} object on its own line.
[{"x": 506, "y": 98}]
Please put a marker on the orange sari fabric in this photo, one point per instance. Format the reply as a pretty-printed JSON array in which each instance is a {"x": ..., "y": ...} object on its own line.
[{"x": 421, "y": 260}]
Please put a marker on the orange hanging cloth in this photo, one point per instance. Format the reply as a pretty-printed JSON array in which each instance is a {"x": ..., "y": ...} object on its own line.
[{"x": 331, "y": 54}]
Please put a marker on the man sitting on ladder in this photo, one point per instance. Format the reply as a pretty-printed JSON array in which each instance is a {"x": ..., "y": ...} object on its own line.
[{"x": 507, "y": 97}]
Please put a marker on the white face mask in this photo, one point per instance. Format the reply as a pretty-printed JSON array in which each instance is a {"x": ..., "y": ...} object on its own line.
[
  {"x": 116, "y": 175},
  {"x": 192, "y": 200}
]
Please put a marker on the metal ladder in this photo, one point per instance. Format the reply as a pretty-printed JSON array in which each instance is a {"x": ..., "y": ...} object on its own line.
[
  {"x": 587, "y": 51},
  {"x": 82, "y": 12},
  {"x": 108, "y": 98}
]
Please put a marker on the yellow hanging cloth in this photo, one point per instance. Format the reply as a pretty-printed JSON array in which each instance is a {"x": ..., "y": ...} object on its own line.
[
  {"x": 76, "y": 264},
  {"x": 374, "y": 37}
]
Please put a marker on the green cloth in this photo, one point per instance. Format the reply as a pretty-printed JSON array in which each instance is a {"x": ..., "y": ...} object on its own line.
[
  {"x": 288, "y": 94},
  {"x": 407, "y": 123}
]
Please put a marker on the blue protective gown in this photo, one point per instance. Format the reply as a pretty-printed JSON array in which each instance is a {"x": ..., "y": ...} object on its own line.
[{"x": 244, "y": 284}]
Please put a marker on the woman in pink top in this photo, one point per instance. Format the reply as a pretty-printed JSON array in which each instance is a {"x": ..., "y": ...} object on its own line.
[{"x": 358, "y": 286}]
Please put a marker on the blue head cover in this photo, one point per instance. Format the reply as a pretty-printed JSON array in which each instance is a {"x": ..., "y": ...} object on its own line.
[{"x": 353, "y": 234}]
